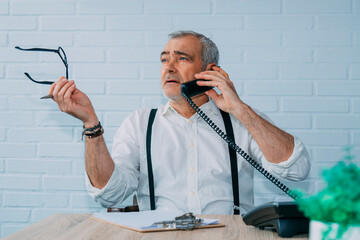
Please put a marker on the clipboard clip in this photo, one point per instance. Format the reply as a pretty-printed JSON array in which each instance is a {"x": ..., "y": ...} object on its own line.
[{"x": 184, "y": 222}]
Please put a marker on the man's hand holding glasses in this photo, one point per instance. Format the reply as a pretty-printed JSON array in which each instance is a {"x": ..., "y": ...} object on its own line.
[
  {"x": 73, "y": 101},
  {"x": 64, "y": 92}
]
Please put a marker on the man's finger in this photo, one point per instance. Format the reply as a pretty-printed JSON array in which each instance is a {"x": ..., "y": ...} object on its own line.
[
  {"x": 59, "y": 84},
  {"x": 70, "y": 91},
  {"x": 65, "y": 88},
  {"x": 51, "y": 89},
  {"x": 212, "y": 93},
  {"x": 220, "y": 70}
]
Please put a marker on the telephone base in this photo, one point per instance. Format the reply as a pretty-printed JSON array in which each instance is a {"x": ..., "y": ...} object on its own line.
[
  {"x": 284, "y": 217},
  {"x": 287, "y": 228}
]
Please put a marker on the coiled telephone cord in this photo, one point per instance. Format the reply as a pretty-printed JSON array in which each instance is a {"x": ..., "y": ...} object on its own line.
[{"x": 241, "y": 152}]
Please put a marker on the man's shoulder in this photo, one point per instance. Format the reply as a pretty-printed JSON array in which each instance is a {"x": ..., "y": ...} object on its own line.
[{"x": 143, "y": 113}]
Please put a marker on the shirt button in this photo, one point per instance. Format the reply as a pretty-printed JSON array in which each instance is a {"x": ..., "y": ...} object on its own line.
[
  {"x": 191, "y": 169},
  {"x": 192, "y": 193},
  {"x": 192, "y": 144},
  {"x": 190, "y": 121}
]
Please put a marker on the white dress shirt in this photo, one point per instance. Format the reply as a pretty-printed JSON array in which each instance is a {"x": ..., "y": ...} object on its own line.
[{"x": 190, "y": 162}]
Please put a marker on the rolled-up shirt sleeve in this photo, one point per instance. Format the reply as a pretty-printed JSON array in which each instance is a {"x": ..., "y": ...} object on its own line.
[
  {"x": 124, "y": 179},
  {"x": 296, "y": 168},
  {"x": 116, "y": 190}
]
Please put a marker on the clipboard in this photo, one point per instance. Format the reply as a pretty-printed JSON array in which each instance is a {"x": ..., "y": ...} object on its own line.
[{"x": 144, "y": 221}]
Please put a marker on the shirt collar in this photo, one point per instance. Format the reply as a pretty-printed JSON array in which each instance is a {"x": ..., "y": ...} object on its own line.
[
  {"x": 167, "y": 109},
  {"x": 208, "y": 106}
]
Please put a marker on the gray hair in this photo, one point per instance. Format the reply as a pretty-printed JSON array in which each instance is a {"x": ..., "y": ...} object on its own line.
[{"x": 209, "y": 51}]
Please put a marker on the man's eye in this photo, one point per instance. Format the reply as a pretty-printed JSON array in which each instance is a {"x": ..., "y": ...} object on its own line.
[
  {"x": 183, "y": 58},
  {"x": 163, "y": 60}
]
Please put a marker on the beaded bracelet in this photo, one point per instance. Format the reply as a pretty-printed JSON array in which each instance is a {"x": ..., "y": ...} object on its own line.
[{"x": 92, "y": 132}]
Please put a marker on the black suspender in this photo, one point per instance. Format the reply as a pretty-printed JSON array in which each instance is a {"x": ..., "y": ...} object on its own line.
[
  {"x": 148, "y": 154},
  {"x": 233, "y": 161},
  {"x": 232, "y": 153}
]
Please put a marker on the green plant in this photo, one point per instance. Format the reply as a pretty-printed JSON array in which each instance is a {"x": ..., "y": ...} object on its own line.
[{"x": 339, "y": 201}]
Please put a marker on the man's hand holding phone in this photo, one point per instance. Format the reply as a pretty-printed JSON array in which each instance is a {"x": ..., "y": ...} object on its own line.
[{"x": 228, "y": 100}]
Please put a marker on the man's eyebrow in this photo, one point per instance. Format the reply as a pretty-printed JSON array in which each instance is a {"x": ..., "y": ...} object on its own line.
[
  {"x": 185, "y": 54},
  {"x": 178, "y": 53},
  {"x": 164, "y": 53}
]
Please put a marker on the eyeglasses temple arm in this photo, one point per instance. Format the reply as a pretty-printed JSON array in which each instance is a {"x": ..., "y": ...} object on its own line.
[
  {"x": 37, "y": 49},
  {"x": 39, "y": 82},
  {"x": 65, "y": 63},
  {"x": 64, "y": 60}
]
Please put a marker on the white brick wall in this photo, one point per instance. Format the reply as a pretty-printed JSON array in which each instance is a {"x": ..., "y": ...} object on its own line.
[{"x": 297, "y": 61}]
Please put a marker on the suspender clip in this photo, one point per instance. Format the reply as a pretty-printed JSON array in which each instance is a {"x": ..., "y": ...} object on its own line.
[{"x": 236, "y": 207}]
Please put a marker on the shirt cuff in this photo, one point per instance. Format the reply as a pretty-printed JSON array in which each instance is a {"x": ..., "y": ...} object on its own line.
[
  {"x": 107, "y": 192},
  {"x": 296, "y": 168}
]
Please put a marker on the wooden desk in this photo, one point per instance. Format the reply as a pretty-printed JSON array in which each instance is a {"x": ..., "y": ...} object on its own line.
[{"x": 81, "y": 226}]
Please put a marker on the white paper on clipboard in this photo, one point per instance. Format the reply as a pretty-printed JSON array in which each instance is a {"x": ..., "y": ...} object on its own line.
[{"x": 143, "y": 220}]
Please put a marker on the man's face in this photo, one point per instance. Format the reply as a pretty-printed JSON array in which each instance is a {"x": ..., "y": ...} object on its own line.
[{"x": 181, "y": 60}]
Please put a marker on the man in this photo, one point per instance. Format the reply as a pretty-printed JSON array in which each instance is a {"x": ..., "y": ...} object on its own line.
[{"x": 190, "y": 162}]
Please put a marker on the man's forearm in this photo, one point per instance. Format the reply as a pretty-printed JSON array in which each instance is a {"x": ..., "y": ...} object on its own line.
[
  {"x": 98, "y": 163},
  {"x": 276, "y": 144}
]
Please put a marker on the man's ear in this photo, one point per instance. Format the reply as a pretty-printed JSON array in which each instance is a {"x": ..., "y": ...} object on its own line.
[{"x": 210, "y": 66}]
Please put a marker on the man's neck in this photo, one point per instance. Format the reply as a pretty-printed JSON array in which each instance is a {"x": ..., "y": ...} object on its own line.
[{"x": 182, "y": 107}]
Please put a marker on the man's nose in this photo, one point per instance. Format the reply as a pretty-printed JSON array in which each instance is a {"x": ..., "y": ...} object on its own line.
[{"x": 171, "y": 66}]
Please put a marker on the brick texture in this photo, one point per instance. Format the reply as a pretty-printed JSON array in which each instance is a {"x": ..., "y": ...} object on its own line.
[{"x": 296, "y": 61}]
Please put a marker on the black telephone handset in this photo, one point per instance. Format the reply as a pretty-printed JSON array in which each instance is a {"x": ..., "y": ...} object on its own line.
[
  {"x": 191, "y": 88},
  {"x": 283, "y": 216}
]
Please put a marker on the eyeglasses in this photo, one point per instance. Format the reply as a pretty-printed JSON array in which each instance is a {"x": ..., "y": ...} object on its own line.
[
  {"x": 61, "y": 54},
  {"x": 59, "y": 51}
]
